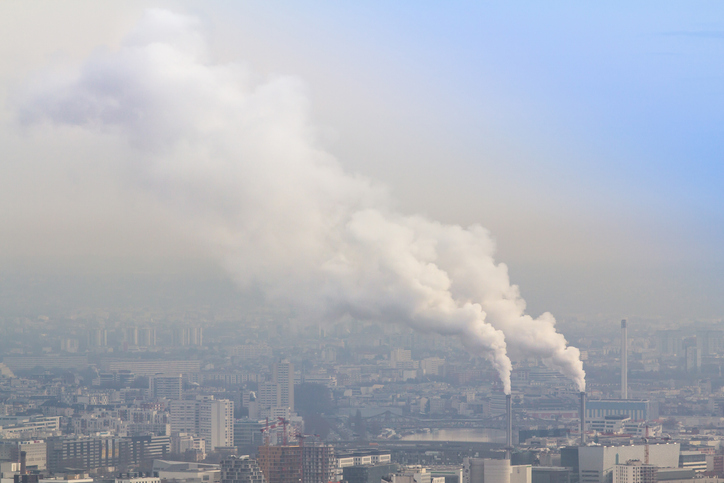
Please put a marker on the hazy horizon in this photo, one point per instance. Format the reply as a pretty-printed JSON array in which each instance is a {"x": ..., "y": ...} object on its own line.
[{"x": 586, "y": 140}]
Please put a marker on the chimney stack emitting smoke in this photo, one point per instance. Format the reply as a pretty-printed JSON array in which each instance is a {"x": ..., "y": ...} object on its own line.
[
  {"x": 238, "y": 162},
  {"x": 624, "y": 360},
  {"x": 582, "y": 417},
  {"x": 509, "y": 421}
]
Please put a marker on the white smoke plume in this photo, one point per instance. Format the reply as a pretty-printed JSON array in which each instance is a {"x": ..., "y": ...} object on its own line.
[{"x": 237, "y": 157}]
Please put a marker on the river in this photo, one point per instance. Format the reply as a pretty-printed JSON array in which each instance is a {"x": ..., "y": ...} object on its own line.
[{"x": 469, "y": 435}]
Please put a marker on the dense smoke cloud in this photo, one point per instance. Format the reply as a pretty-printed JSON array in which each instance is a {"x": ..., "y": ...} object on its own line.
[{"x": 236, "y": 156}]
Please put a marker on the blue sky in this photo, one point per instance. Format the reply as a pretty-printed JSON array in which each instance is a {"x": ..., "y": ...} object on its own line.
[{"x": 587, "y": 137}]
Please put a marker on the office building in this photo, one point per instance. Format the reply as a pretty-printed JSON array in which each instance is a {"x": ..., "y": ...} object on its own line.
[
  {"x": 145, "y": 449},
  {"x": 35, "y": 453},
  {"x": 692, "y": 460},
  {"x": 248, "y": 435}
]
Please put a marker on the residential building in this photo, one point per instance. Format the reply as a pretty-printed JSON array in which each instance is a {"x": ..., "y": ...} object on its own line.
[
  {"x": 167, "y": 386},
  {"x": 241, "y": 469},
  {"x": 634, "y": 472},
  {"x": 216, "y": 423},
  {"x": 281, "y": 464}
]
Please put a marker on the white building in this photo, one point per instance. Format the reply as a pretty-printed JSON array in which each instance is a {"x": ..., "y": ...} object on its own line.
[
  {"x": 283, "y": 377},
  {"x": 216, "y": 423},
  {"x": 184, "y": 416},
  {"x": 596, "y": 463},
  {"x": 486, "y": 470},
  {"x": 212, "y": 420}
]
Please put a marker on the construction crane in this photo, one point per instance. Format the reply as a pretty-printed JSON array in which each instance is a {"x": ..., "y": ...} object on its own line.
[{"x": 268, "y": 427}]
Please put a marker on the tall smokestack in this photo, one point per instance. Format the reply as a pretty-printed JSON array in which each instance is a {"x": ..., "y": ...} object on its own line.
[
  {"x": 583, "y": 418},
  {"x": 624, "y": 360},
  {"x": 509, "y": 416}
]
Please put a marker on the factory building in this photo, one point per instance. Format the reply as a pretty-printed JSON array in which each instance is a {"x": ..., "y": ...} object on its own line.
[{"x": 641, "y": 410}]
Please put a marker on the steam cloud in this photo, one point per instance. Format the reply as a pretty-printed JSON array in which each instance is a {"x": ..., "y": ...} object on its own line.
[{"x": 237, "y": 157}]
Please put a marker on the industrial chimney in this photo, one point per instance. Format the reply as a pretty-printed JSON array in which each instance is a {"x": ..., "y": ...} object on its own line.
[
  {"x": 624, "y": 360},
  {"x": 582, "y": 416},
  {"x": 509, "y": 416}
]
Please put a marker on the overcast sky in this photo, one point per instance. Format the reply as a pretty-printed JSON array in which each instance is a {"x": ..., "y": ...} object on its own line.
[{"x": 587, "y": 138}]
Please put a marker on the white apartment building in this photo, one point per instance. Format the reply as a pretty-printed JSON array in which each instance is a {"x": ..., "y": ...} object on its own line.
[
  {"x": 168, "y": 386},
  {"x": 210, "y": 419},
  {"x": 216, "y": 423},
  {"x": 184, "y": 416}
]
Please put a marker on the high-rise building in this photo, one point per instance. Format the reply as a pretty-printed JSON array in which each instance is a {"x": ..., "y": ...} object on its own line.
[
  {"x": 212, "y": 420},
  {"x": 184, "y": 416},
  {"x": 248, "y": 435},
  {"x": 318, "y": 463},
  {"x": 97, "y": 338},
  {"x": 268, "y": 395},
  {"x": 283, "y": 377},
  {"x": 147, "y": 337},
  {"x": 168, "y": 386},
  {"x": 281, "y": 464},
  {"x": 186, "y": 336},
  {"x": 216, "y": 423},
  {"x": 241, "y": 469},
  {"x": 131, "y": 336},
  {"x": 693, "y": 359}
]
